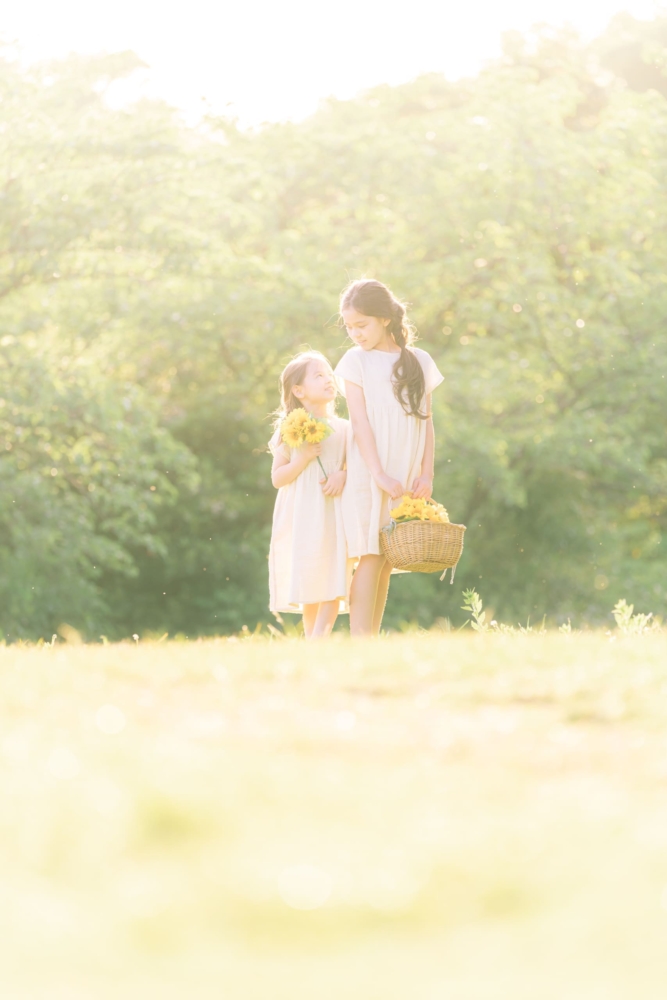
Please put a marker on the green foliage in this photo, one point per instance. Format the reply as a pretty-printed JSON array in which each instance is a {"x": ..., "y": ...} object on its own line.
[
  {"x": 473, "y": 606},
  {"x": 154, "y": 278},
  {"x": 86, "y": 468},
  {"x": 631, "y": 624}
]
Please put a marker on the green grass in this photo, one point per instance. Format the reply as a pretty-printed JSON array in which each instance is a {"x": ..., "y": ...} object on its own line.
[{"x": 467, "y": 816}]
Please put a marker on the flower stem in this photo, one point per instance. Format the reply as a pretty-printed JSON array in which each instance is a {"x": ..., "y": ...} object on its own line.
[{"x": 322, "y": 467}]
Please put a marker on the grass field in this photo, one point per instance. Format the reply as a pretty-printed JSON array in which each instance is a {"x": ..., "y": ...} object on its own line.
[{"x": 453, "y": 817}]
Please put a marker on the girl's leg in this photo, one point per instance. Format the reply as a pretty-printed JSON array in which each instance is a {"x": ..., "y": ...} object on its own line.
[
  {"x": 326, "y": 617},
  {"x": 309, "y": 618},
  {"x": 364, "y": 593},
  {"x": 381, "y": 597}
]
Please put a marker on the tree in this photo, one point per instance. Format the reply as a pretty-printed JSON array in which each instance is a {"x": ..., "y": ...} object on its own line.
[{"x": 178, "y": 268}]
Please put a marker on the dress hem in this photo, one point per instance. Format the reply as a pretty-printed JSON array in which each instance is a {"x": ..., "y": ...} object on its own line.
[{"x": 298, "y": 610}]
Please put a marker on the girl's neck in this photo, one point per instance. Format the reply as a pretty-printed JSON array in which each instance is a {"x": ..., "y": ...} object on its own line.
[
  {"x": 317, "y": 409},
  {"x": 388, "y": 346}
]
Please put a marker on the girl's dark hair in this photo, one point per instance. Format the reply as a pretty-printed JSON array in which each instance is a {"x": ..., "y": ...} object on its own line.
[{"x": 372, "y": 298}]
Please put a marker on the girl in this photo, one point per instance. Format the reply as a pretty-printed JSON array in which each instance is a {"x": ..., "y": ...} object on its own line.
[
  {"x": 307, "y": 560},
  {"x": 388, "y": 385}
]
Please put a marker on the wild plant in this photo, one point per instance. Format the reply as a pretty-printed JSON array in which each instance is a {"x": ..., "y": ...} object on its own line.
[{"x": 631, "y": 624}]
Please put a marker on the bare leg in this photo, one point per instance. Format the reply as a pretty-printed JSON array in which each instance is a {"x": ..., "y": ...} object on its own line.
[
  {"x": 381, "y": 597},
  {"x": 309, "y": 618},
  {"x": 326, "y": 617},
  {"x": 363, "y": 594}
]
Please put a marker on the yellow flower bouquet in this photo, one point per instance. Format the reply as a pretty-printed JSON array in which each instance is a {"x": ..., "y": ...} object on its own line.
[
  {"x": 410, "y": 509},
  {"x": 300, "y": 427}
]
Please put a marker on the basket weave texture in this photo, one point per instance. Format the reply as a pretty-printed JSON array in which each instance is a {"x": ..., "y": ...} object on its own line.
[{"x": 422, "y": 546}]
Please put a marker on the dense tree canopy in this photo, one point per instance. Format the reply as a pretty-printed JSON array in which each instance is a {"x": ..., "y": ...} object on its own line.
[{"x": 155, "y": 277}]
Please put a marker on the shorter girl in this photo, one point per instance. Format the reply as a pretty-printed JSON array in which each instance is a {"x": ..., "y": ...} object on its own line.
[{"x": 308, "y": 566}]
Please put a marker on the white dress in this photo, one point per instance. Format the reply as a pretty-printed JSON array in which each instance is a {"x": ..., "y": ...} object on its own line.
[
  {"x": 400, "y": 440},
  {"x": 308, "y": 559}
]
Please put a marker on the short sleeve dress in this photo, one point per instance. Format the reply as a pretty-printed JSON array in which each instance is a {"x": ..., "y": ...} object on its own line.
[
  {"x": 308, "y": 559},
  {"x": 400, "y": 440}
]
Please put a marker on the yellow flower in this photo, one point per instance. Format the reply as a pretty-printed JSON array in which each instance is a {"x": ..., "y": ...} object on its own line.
[
  {"x": 416, "y": 508},
  {"x": 314, "y": 431},
  {"x": 292, "y": 428},
  {"x": 300, "y": 426},
  {"x": 299, "y": 417},
  {"x": 291, "y": 436},
  {"x": 404, "y": 508}
]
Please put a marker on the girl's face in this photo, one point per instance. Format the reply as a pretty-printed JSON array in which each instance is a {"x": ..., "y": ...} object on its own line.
[
  {"x": 368, "y": 332},
  {"x": 318, "y": 384}
]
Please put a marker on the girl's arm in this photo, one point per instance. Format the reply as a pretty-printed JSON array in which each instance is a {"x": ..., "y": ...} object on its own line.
[
  {"x": 363, "y": 435},
  {"x": 423, "y": 484},
  {"x": 286, "y": 469},
  {"x": 334, "y": 483}
]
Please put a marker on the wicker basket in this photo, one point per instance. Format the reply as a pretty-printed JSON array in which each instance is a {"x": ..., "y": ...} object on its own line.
[{"x": 423, "y": 546}]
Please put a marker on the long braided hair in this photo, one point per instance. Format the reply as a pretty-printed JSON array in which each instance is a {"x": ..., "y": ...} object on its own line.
[{"x": 372, "y": 298}]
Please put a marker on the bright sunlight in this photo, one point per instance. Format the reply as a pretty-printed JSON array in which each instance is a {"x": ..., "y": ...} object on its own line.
[
  {"x": 333, "y": 501},
  {"x": 273, "y": 61}
]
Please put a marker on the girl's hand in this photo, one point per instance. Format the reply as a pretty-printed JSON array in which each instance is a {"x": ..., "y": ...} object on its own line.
[
  {"x": 422, "y": 488},
  {"x": 308, "y": 453},
  {"x": 333, "y": 486},
  {"x": 390, "y": 486},
  {"x": 285, "y": 470}
]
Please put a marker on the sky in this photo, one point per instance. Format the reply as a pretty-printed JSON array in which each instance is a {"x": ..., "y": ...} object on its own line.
[{"x": 270, "y": 60}]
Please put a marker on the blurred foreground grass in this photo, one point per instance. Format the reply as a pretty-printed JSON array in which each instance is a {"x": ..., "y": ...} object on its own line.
[{"x": 422, "y": 818}]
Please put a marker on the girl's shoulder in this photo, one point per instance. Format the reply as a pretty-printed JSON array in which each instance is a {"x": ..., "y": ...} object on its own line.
[
  {"x": 432, "y": 376},
  {"x": 339, "y": 425},
  {"x": 422, "y": 355},
  {"x": 276, "y": 443},
  {"x": 352, "y": 356},
  {"x": 350, "y": 368}
]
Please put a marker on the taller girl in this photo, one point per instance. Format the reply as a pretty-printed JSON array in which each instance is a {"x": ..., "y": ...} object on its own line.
[{"x": 388, "y": 385}]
